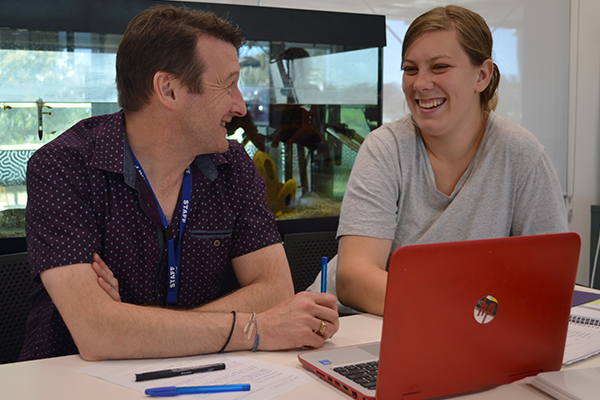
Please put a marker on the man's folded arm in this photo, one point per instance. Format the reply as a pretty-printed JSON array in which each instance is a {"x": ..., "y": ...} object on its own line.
[
  {"x": 103, "y": 328},
  {"x": 264, "y": 276}
]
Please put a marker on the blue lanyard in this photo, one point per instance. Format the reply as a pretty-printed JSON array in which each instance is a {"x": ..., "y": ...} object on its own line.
[{"x": 174, "y": 254}]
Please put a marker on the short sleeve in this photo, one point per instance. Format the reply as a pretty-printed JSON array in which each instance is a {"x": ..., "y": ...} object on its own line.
[
  {"x": 539, "y": 206},
  {"x": 370, "y": 204},
  {"x": 61, "y": 228}
]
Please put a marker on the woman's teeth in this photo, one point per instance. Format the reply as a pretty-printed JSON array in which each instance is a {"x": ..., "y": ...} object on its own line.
[{"x": 430, "y": 103}]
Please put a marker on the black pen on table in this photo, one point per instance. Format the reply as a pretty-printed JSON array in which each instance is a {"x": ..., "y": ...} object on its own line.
[{"x": 166, "y": 373}]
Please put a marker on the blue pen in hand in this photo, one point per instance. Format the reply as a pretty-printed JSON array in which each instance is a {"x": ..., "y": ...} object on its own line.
[
  {"x": 169, "y": 391},
  {"x": 324, "y": 275}
]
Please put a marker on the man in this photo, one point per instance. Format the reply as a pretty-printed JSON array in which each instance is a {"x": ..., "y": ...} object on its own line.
[{"x": 158, "y": 196}]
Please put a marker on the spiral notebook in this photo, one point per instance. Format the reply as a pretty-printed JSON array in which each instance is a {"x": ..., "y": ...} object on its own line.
[
  {"x": 583, "y": 337},
  {"x": 461, "y": 317}
]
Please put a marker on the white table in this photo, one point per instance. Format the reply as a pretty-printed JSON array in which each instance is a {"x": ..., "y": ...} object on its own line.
[{"x": 57, "y": 378}]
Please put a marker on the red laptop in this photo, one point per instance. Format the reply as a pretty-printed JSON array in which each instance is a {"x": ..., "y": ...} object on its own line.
[{"x": 461, "y": 317}]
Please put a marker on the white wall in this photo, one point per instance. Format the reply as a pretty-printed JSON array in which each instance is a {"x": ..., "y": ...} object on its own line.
[{"x": 586, "y": 172}]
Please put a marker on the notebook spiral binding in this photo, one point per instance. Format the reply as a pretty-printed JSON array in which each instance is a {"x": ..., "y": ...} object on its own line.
[{"x": 584, "y": 320}]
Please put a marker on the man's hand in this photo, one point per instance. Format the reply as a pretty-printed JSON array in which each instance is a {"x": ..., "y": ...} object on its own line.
[
  {"x": 298, "y": 322},
  {"x": 106, "y": 278}
]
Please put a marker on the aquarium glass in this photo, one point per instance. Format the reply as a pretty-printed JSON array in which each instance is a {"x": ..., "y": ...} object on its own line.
[{"x": 309, "y": 108}]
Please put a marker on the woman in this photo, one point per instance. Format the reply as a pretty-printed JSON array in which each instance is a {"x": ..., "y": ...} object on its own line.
[{"x": 452, "y": 170}]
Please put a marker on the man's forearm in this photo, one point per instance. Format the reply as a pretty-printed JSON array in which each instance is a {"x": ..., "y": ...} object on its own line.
[
  {"x": 103, "y": 328},
  {"x": 256, "y": 297},
  {"x": 131, "y": 331},
  {"x": 265, "y": 279}
]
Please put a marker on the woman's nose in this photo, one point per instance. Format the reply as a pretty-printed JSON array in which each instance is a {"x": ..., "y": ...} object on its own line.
[{"x": 422, "y": 82}]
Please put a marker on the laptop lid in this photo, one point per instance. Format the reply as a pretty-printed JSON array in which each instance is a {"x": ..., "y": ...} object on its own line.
[{"x": 464, "y": 316}]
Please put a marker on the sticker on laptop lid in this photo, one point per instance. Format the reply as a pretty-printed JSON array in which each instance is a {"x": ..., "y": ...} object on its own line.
[
  {"x": 486, "y": 309},
  {"x": 325, "y": 362}
]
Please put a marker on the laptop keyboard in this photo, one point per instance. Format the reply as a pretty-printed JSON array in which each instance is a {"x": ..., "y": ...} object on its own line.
[{"x": 365, "y": 374}]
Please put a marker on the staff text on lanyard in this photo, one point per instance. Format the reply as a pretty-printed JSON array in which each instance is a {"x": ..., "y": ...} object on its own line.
[{"x": 174, "y": 254}]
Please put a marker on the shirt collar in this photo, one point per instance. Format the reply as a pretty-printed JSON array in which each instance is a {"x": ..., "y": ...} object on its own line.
[
  {"x": 108, "y": 158},
  {"x": 108, "y": 132}
]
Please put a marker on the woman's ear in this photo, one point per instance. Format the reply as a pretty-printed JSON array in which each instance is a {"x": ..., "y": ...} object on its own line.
[{"x": 486, "y": 70}]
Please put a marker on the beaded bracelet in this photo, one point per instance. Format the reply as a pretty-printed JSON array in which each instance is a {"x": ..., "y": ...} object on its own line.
[
  {"x": 230, "y": 334},
  {"x": 252, "y": 322}
]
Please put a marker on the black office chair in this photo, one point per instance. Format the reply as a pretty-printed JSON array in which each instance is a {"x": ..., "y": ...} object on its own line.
[
  {"x": 304, "y": 252},
  {"x": 15, "y": 289}
]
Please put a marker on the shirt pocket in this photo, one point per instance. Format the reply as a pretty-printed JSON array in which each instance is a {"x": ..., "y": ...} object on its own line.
[{"x": 217, "y": 239}]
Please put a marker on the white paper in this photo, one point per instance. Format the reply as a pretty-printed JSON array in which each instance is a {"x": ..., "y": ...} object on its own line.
[
  {"x": 267, "y": 380},
  {"x": 576, "y": 384},
  {"x": 583, "y": 341}
]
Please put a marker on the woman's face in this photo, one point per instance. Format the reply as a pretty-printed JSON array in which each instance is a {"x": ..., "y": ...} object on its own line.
[{"x": 441, "y": 85}]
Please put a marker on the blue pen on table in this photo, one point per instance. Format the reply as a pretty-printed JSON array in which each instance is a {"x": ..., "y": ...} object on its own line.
[
  {"x": 324, "y": 275},
  {"x": 168, "y": 391}
]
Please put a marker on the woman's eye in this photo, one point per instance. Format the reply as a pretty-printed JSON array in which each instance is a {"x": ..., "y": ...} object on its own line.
[
  {"x": 440, "y": 67},
  {"x": 409, "y": 70}
]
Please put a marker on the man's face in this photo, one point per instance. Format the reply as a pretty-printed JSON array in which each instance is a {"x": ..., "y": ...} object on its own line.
[{"x": 205, "y": 115}]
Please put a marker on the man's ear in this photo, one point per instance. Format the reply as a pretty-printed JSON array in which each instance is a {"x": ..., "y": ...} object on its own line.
[
  {"x": 485, "y": 75},
  {"x": 165, "y": 87}
]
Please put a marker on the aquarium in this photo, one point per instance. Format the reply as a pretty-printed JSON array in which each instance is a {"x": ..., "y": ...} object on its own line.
[
  {"x": 310, "y": 106},
  {"x": 312, "y": 88},
  {"x": 48, "y": 82}
]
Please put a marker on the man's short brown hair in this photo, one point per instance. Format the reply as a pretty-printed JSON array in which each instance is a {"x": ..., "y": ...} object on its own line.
[{"x": 164, "y": 38}]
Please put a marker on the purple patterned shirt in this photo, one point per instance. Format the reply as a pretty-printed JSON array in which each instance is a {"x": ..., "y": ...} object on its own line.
[{"x": 85, "y": 196}]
